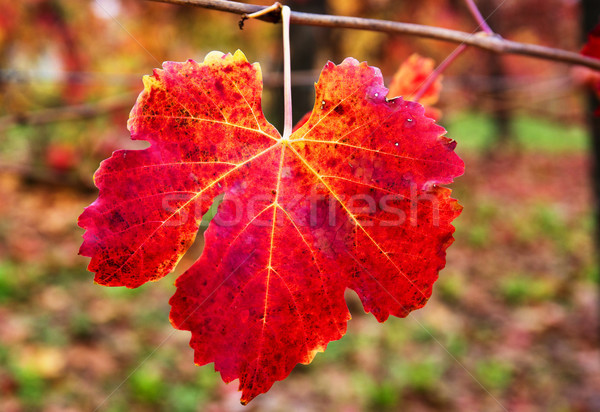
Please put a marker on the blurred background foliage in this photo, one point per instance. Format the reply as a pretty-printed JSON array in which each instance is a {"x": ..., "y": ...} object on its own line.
[{"x": 513, "y": 319}]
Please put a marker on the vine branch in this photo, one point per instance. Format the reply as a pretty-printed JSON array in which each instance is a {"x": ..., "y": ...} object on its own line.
[{"x": 481, "y": 40}]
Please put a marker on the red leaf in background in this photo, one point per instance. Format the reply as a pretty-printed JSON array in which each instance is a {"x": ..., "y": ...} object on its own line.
[
  {"x": 585, "y": 76},
  {"x": 411, "y": 76},
  {"x": 592, "y": 47},
  {"x": 62, "y": 157},
  {"x": 351, "y": 199}
]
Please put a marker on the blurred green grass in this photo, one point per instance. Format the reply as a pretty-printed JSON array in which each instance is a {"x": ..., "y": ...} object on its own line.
[{"x": 475, "y": 131}]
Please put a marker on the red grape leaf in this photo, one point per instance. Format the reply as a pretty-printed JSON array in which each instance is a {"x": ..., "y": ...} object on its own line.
[{"x": 350, "y": 200}]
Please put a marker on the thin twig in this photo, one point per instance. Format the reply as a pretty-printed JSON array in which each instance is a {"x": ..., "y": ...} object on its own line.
[
  {"x": 492, "y": 43},
  {"x": 274, "y": 9},
  {"x": 478, "y": 17},
  {"x": 482, "y": 24},
  {"x": 437, "y": 72}
]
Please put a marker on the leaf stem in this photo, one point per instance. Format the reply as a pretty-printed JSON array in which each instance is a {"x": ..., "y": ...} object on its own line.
[
  {"x": 478, "y": 17},
  {"x": 287, "y": 73}
]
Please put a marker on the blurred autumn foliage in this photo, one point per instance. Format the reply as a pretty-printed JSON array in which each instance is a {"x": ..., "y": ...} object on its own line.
[{"x": 512, "y": 321}]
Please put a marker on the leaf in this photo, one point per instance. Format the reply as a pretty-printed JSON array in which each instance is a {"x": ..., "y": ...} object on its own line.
[
  {"x": 592, "y": 47},
  {"x": 350, "y": 200},
  {"x": 411, "y": 76},
  {"x": 587, "y": 76}
]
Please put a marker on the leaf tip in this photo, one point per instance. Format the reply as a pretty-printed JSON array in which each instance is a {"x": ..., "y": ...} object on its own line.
[
  {"x": 351, "y": 61},
  {"x": 310, "y": 356},
  {"x": 151, "y": 82},
  {"x": 239, "y": 55},
  {"x": 213, "y": 56},
  {"x": 216, "y": 56}
]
